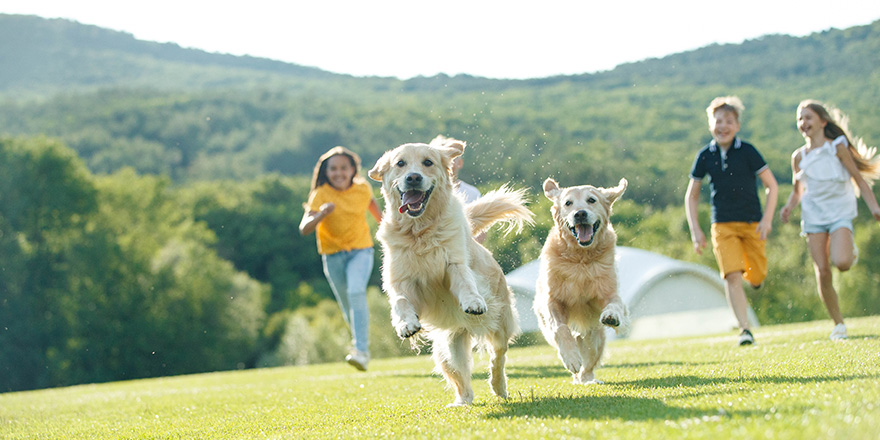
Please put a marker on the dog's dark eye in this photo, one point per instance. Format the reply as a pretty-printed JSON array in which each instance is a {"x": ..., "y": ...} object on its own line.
[
  {"x": 401, "y": 163},
  {"x": 591, "y": 200},
  {"x": 568, "y": 203},
  {"x": 428, "y": 162}
]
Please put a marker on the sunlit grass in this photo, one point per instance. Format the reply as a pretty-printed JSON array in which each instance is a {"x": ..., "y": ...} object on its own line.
[{"x": 794, "y": 384}]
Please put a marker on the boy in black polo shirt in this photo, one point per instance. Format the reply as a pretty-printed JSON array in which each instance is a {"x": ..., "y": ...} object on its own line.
[{"x": 739, "y": 229}]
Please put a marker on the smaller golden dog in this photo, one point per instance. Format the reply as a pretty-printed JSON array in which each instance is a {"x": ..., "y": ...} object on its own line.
[{"x": 577, "y": 282}]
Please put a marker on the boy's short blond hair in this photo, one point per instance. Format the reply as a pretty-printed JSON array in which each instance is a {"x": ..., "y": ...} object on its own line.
[{"x": 727, "y": 103}]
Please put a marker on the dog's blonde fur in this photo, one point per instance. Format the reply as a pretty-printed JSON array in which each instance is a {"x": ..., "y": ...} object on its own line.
[
  {"x": 439, "y": 280},
  {"x": 577, "y": 283}
]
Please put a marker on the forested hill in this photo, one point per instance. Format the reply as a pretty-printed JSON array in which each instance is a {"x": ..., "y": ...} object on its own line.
[
  {"x": 835, "y": 53},
  {"x": 37, "y": 52},
  {"x": 161, "y": 109},
  {"x": 51, "y": 54}
]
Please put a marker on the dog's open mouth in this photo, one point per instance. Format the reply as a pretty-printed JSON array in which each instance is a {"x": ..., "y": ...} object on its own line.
[
  {"x": 584, "y": 232},
  {"x": 413, "y": 202}
]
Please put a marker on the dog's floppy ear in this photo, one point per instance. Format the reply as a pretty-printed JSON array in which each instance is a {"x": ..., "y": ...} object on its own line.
[
  {"x": 381, "y": 167},
  {"x": 551, "y": 189},
  {"x": 452, "y": 148},
  {"x": 614, "y": 193}
]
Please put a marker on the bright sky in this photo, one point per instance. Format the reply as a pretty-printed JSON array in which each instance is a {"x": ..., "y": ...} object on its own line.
[{"x": 490, "y": 38}]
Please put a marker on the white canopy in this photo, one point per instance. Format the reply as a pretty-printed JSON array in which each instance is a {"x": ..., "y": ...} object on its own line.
[{"x": 666, "y": 297}]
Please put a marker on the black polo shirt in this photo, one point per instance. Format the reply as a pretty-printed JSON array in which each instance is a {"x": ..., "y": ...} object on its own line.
[{"x": 732, "y": 179}]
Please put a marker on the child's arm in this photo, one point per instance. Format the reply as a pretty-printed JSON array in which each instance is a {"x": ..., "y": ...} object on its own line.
[
  {"x": 772, "y": 188},
  {"x": 374, "y": 209},
  {"x": 691, "y": 200},
  {"x": 311, "y": 219},
  {"x": 846, "y": 159},
  {"x": 797, "y": 188}
]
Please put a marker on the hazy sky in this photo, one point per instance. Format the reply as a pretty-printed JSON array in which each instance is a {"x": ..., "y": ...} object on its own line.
[{"x": 496, "y": 39}]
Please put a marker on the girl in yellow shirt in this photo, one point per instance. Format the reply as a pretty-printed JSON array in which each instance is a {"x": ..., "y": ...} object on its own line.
[{"x": 338, "y": 201}]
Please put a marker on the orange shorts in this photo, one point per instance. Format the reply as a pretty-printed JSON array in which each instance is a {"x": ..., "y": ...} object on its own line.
[{"x": 738, "y": 248}]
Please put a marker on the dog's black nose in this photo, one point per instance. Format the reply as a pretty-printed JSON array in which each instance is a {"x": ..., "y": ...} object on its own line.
[
  {"x": 580, "y": 216},
  {"x": 413, "y": 179}
]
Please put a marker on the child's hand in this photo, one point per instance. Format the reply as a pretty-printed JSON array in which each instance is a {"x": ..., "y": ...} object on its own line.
[
  {"x": 699, "y": 240},
  {"x": 327, "y": 208},
  {"x": 784, "y": 213},
  {"x": 764, "y": 228}
]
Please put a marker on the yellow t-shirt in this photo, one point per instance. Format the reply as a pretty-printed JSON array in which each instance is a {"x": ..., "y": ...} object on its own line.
[{"x": 346, "y": 227}]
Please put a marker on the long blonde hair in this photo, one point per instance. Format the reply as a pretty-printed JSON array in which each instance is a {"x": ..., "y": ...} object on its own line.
[{"x": 838, "y": 125}]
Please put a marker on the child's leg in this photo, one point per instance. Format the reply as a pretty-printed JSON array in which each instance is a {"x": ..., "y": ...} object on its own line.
[
  {"x": 358, "y": 270},
  {"x": 729, "y": 252},
  {"x": 819, "y": 244},
  {"x": 736, "y": 297},
  {"x": 841, "y": 249},
  {"x": 334, "y": 270},
  {"x": 755, "y": 256}
]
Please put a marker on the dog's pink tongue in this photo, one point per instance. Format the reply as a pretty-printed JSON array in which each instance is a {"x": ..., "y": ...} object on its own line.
[
  {"x": 410, "y": 198},
  {"x": 584, "y": 232}
]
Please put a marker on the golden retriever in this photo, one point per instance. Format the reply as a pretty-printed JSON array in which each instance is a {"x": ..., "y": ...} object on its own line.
[
  {"x": 577, "y": 282},
  {"x": 438, "y": 279}
]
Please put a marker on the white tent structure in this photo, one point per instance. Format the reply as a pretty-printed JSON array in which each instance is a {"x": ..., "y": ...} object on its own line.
[{"x": 666, "y": 297}]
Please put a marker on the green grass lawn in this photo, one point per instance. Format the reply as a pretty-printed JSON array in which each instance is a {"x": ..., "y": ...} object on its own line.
[{"x": 794, "y": 384}]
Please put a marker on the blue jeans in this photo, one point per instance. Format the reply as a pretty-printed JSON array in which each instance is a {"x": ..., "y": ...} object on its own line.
[{"x": 348, "y": 273}]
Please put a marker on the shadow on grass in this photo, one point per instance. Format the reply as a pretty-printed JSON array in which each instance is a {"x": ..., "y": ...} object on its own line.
[
  {"x": 696, "y": 381},
  {"x": 601, "y": 408},
  {"x": 557, "y": 370},
  {"x": 658, "y": 364},
  {"x": 851, "y": 337}
]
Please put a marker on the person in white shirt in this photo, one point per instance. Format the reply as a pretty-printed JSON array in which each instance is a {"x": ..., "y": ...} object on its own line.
[
  {"x": 824, "y": 172},
  {"x": 468, "y": 191}
]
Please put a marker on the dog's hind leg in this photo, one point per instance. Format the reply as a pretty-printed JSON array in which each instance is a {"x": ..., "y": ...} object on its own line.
[
  {"x": 455, "y": 363},
  {"x": 497, "y": 359},
  {"x": 591, "y": 345}
]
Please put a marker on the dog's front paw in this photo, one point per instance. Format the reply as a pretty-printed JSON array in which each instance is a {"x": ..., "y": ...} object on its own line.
[
  {"x": 616, "y": 317},
  {"x": 474, "y": 305},
  {"x": 610, "y": 319},
  {"x": 406, "y": 329}
]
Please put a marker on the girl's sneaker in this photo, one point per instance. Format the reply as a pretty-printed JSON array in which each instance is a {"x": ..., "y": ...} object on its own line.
[
  {"x": 838, "y": 333},
  {"x": 358, "y": 359}
]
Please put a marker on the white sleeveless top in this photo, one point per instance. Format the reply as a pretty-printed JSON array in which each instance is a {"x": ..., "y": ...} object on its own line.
[{"x": 829, "y": 194}]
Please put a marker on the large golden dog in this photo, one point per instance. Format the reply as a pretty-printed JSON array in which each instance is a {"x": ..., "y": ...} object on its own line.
[
  {"x": 438, "y": 279},
  {"x": 577, "y": 282}
]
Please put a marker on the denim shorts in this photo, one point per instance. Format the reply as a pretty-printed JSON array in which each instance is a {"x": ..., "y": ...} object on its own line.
[{"x": 811, "y": 228}]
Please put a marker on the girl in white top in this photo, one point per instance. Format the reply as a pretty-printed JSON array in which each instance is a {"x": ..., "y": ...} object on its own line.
[{"x": 828, "y": 173}]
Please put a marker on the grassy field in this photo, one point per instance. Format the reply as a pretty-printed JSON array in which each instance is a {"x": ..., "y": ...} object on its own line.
[{"x": 794, "y": 384}]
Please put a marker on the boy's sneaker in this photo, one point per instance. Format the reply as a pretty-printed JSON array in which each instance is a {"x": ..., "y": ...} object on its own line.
[
  {"x": 746, "y": 338},
  {"x": 358, "y": 359},
  {"x": 838, "y": 333}
]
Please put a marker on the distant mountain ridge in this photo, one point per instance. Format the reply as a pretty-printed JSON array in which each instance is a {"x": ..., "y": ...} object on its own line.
[
  {"x": 59, "y": 54},
  {"x": 36, "y": 52},
  {"x": 853, "y": 51}
]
